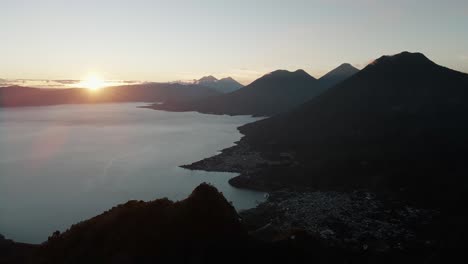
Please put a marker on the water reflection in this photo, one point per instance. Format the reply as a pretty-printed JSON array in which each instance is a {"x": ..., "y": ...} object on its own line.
[{"x": 63, "y": 164}]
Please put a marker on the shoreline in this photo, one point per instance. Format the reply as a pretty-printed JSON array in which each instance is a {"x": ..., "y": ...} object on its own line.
[
  {"x": 239, "y": 158},
  {"x": 161, "y": 107},
  {"x": 253, "y": 167}
]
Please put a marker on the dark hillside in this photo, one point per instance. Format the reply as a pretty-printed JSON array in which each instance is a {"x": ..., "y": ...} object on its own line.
[{"x": 399, "y": 124}]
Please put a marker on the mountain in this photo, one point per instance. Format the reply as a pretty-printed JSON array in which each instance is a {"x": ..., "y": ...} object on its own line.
[
  {"x": 271, "y": 94},
  {"x": 398, "y": 125},
  {"x": 339, "y": 74},
  {"x": 207, "y": 79},
  {"x": 225, "y": 85},
  {"x": 148, "y": 92},
  {"x": 228, "y": 85}
]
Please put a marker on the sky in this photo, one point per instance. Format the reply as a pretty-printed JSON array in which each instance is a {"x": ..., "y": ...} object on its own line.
[{"x": 156, "y": 40}]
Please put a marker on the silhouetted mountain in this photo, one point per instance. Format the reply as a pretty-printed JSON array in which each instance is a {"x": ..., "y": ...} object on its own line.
[
  {"x": 225, "y": 85},
  {"x": 334, "y": 77},
  {"x": 273, "y": 93},
  {"x": 207, "y": 79},
  {"x": 148, "y": 92},
  {"x": 228, "y": 85},
  {"x": 398, "y": 125}
]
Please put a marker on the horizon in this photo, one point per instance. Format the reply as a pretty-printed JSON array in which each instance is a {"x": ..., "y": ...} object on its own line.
[
  {"x": 81, "y": 83},
  {"x": 163, "y": 42},
  {"x": 75, "y": 83},
  {"x": 69, "y": 83}
]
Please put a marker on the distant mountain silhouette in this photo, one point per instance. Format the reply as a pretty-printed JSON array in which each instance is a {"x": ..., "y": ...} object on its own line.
[
  {"x": 400, "y": 124},
  {"x": 207, "y": 79},
  {"x": 228, "y": 85},
  {"x": 271, "y": 94},
  {"x": 225, "y": 85},
  {"x": 14, "y": 96},
  {"x": 339, "y": 74}
]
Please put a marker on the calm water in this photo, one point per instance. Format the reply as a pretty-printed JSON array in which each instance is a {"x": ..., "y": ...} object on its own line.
[{"x": 63, "y": 164}]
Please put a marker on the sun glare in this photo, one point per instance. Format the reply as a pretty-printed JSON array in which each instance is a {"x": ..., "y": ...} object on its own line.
[{"x": 93, "y": 83}]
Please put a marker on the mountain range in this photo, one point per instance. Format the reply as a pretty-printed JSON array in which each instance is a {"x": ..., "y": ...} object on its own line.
[
  {"x": 273, "y": 93},
  {"x": 225, "y": 85},
  {"x": 14, "y": 96},
  {"x": 398, "y": 125}
]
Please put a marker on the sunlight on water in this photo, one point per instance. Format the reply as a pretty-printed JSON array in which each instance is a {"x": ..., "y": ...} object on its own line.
[{"x": 63, "y": 164}]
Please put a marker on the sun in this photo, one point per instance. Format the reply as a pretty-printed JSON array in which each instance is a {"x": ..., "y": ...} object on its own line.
[{"x": 93, "y": 83}]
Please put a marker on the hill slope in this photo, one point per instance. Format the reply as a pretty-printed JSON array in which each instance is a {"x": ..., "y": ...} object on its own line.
[{"x": 399, "y": 124}]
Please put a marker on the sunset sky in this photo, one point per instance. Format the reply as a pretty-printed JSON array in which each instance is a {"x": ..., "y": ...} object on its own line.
[{"x": 181, "y": 40}]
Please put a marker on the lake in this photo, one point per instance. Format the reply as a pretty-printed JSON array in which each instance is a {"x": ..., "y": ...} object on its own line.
[{"x": 63, "y": 164}]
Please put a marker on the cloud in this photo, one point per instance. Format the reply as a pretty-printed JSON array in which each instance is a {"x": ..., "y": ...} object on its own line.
[
  {"x": 49, "y": 86},
  {"x": 131, "y": 82},
  {"x": 42, "y": 83}
]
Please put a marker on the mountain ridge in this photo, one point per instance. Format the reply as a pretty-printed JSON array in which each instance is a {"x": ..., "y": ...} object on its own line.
[
  {"x": 224, "y": 85},
  {"x": 270, "y": 94},
  {"x": 390, "y": 116},
  {"x": 17, "y": 96}
]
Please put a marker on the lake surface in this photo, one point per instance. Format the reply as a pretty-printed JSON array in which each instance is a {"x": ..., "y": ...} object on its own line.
[{"x": 63, "y": 164}]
